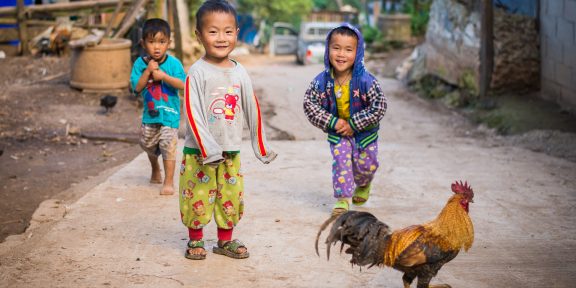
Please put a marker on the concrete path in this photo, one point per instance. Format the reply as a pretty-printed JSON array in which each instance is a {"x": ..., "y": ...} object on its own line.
[{"x": 123, "y": 234}]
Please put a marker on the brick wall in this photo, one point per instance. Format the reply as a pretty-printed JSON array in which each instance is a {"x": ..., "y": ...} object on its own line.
[{"x": 558, "y": 43}]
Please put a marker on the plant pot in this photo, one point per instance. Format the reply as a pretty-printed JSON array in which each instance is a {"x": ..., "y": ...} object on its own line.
[{"x": 102, "y": 67}]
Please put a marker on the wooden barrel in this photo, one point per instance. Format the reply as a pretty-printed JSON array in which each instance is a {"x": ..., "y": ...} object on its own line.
[{"x": 102, "y": 67}]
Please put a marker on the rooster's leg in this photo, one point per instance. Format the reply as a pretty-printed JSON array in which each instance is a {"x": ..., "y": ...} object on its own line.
[
  {"x": 408, "y": 278},
  {"x": 424, "y": 281}
]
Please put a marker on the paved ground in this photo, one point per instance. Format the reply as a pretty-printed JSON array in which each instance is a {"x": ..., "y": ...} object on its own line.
[{"x": 122, "y": 234}]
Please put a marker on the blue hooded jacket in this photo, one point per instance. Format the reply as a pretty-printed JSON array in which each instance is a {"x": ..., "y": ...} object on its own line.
[{"x": 367, "y": 101}]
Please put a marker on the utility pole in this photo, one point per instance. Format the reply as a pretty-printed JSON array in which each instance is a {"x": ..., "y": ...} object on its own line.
[
  {"x": 178, "y": 50},
  {"x": 486, "y": 47}
]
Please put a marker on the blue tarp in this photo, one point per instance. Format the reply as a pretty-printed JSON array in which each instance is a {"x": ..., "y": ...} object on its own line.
[
  {"x": 523, "y": 7},
  {"x": 12, "y": 3},
  {"x": 248, "y": 29}
]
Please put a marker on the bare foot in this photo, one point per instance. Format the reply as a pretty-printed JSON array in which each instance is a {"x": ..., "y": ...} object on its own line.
[
  {"x": 197, "y": 251},
  {"x": 156, "y": 177},
  {"x": 167, "y": 190}
]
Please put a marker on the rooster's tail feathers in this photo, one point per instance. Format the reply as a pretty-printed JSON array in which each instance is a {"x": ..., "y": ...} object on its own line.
[{"x": 364, "y": 233}]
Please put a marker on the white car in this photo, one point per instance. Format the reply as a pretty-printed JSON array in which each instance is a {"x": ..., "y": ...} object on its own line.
[
  {"x": 309, "y": 45},
  {"x": 284, "y": 39}
]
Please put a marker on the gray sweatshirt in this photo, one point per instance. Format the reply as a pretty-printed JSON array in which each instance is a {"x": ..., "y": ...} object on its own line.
[{"x": 216, "y": 101}]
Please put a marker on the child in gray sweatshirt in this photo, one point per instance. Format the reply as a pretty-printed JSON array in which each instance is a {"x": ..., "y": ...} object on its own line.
[{"x": 218, "y": 96}]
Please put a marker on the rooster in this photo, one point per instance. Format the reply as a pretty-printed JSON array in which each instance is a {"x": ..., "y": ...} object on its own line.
[{"x": 419, "y": 250}]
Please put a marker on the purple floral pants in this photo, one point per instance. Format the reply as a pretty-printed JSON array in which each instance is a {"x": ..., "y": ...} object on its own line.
[{"x": 352, "y": 166}]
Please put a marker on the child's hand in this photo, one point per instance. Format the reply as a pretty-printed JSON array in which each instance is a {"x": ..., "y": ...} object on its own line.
[
  {"x": 339, "y": 124},
  {"x": 343, "y": 128},
  {"x": 152, "y": 66},
  {"x": 158, "y": 75}
]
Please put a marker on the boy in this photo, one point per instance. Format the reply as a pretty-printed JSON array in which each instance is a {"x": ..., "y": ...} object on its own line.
[
  {"x": 158, "y": 77},
  {"x": 218, "y": 95},
  {"x": 346, "y": 102}
]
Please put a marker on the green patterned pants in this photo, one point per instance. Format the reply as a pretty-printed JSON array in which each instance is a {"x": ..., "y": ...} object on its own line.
[{"x": 206, "y": 190}]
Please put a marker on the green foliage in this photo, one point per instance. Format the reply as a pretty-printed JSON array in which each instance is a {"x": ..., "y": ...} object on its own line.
[
  {"x": 371, "y": 34},
  {"x": 420, "y": 12},
  {"x": 432, "y": 87},
  {"x": 193, "y": 6},
  {"x": 276, "y": 11},
  {"x": 332, "y": 5},
  {"x": 495, "y": 120},
  {"x": 467, "y": 81}
]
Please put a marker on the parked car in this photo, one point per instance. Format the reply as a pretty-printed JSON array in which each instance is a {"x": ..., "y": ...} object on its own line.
[
  {"x": 308, "y": 45},
  {"x": 312, "y": 41},
  {"x": 284, "y": 39}
]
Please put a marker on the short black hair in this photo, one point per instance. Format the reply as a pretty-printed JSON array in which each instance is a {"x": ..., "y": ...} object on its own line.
[
  {"x": 154, "y": 26},
  {"x": 343, "y": 31},
  {"x": 212, "y": 6}
]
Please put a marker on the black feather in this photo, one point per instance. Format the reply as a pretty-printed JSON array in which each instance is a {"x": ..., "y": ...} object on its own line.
[
  {"x": 108, "y": 102},
  {"x": 363, "y": 233}
]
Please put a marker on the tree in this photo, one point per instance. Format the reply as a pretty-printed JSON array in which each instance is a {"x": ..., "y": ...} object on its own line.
[
  {"x": 274, "y": 11},
  {"x": 335, "y": 5}
]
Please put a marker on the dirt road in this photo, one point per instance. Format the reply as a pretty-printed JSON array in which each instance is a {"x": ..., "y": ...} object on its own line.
[
  {"x": 122, "y": 234},
  {"x": 41, "y": 151}
]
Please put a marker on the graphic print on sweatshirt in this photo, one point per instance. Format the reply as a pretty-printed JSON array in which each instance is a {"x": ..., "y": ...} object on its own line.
[{"x": 225, "y": 106}]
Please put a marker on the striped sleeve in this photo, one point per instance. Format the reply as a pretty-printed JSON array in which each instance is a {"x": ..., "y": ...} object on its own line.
[
  {"x": 253, "y": 116},
  {"x": 371, "y": 115},
  {"x": 210, "y": 151},
  {"x": 317, "y": 115}
]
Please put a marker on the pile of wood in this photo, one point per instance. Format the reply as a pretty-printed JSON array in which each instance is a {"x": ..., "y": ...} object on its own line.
[{"x": 48, "y": 28}]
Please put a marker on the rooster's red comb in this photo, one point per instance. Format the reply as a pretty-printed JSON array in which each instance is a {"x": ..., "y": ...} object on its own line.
[{"x": 462, "y": 188}]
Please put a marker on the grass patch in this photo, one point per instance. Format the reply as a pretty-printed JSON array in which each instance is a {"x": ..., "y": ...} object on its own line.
[
  {"x": 508, "y": 114},
  {"x": 513, "y": 114}
]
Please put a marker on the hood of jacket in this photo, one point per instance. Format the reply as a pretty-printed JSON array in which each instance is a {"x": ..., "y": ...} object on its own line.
[{"x": 358, "y": 68}]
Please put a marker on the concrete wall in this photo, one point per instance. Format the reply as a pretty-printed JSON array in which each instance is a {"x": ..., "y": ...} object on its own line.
[{"x": 558, "y": 42}]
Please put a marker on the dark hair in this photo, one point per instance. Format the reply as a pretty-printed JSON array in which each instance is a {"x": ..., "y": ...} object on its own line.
[
  {"x": 212, "y": 6},
  {"x": 343, "y": 31},
  {"x": 154, "y": 26}
]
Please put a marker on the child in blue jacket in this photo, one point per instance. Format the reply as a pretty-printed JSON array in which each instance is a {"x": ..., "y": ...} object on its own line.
[{"x": 347, "y": 103}]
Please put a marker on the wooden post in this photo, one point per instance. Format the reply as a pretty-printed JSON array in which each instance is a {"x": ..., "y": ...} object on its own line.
[
  {"x": 129, "y": 19},
  {"x": 22, "y": 28},
  {"x": 376, "y": 13},
  {"x": 486, "y": 47},
  {"x": 177, "y": 31},
  {"x": 113, "y": 19},
  {"x": 61, "y": 7}
]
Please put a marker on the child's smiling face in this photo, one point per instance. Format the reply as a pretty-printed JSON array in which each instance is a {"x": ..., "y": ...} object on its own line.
[
  {"x": 342, "y": 49},
  {"x": 156, "y": 45},
  {"x": 218, "y": 35}
]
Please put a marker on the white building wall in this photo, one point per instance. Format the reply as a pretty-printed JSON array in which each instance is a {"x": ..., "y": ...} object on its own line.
[{"x": 558, "y": 46}]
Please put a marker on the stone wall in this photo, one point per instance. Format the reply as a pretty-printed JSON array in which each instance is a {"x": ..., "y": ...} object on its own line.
[
  {"x": 516, "y": 53},
  {"x": 453, "y": 43},
  {"x": 558, "y": 41}
]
